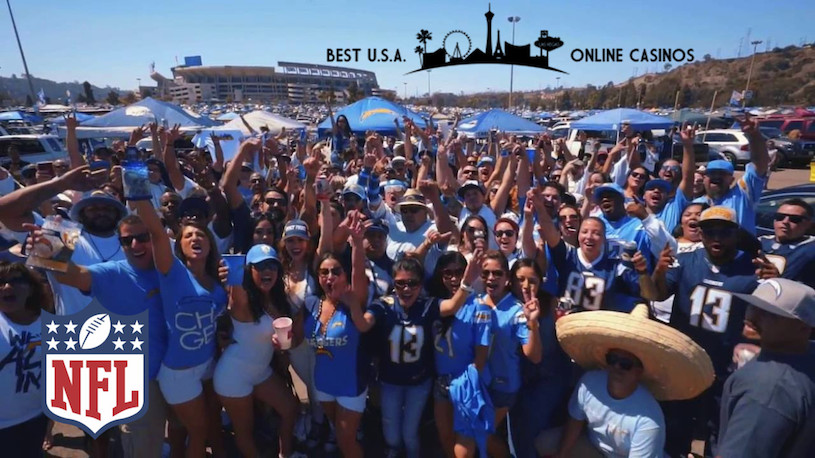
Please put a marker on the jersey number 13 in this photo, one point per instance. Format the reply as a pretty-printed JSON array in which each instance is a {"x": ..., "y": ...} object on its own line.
[
  {"x": 406, "y": 343},
  {"x": 710, "y": 308}
]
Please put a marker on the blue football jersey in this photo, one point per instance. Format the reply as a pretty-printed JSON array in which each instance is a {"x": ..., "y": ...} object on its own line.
[
  {"x": 704, "y": 308},
  {"x": 793, "y": 260},
  {"x": 456, "y": 337},
  {"x": 401, "y": 339},
  {"x": 509, "y": 331},
  {"x": 606, "y": 284},
  {"x": 341, "y": 365}
]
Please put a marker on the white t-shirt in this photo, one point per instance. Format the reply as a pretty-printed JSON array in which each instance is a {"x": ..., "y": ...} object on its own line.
[
  {"x": 400, "y": 241},
  {"x": 20, "y": 372},
  {"x": 89, "y": 250}
]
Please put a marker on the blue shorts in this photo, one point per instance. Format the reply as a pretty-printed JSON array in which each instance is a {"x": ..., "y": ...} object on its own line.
[
  {"x": 353, "y": 403},
  {"x": 181, "y": 385},
  {"x": 502, "y": 400}
]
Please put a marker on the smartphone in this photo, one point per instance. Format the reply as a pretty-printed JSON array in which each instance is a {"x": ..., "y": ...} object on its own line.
[{"x": 99, "y": 165}]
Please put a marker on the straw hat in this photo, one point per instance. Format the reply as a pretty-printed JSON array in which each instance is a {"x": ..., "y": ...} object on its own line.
[{"x": 675, "y": 367}]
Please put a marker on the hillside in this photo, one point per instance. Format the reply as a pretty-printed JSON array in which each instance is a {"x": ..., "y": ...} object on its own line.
[{"x": 14, "y": 89}]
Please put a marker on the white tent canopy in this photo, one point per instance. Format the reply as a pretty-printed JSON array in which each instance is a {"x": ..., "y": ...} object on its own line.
[{"x": 260, "y": 118}]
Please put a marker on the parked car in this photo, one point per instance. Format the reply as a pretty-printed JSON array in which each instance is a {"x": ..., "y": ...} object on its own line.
[
  {"x": 732, "y": 143},
  {"x": 804, "y": 124},
  {"x": 608, "y": 138},
  {"x": 33, "y": 148},
  {"x": 790, "y": 152},
  {"x": 771, "y": 200}
]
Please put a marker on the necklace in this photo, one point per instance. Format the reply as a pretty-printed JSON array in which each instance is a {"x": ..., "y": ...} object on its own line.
[
  {"x": 99, "y": 252},
  {"x": 321, "y": 330}
]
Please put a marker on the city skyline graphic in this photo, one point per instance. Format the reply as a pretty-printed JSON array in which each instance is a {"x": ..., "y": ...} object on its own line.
[{"x": 504, "y": 53}]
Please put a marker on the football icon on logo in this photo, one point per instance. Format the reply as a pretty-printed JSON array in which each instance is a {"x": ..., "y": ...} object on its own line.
[{"x": 94, "y": 331}]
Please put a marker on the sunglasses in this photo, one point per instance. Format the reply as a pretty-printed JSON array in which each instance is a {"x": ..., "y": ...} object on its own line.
[
  {"x": 256, "y": 180},
  {"x": 409, "y": 209},
  {"x": 273, "y": 202},
  {"x": 450, "y": 273},
  {"x": 494, "y": 273},
  {"x": 794, "y": 219},
  {"x": 723, "y": 232},
  {"x": 127, "y": 240},
  {"x": 14, "y": 281},
  {"x": 335, "y": 271},
  {"x": 406, "y": 284},
  {"x": 508, "y": 233},
  {"x": 266, "y": 264},
  {"x": 470, "y": 172},
  {"x": 473, "y": 229},
  {"x": 639, "y": 176},
  {"x": 622, "y": 362},
  {"x": 671, "y": 168}
]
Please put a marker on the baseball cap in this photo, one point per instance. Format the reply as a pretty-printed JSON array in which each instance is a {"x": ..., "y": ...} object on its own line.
[
  {"x": 719, "y": 213},
  {"x": 355, "y": 189},
  {"x": 508, "y": 218},
  {"x": 783, "y": 297},
  {"x": 486, "y": 160},
  {"x": 378, "y": 225},
  {"x": 719, "y": 164},
  {"x": 470, "y": 184},
  {"x": 665, "y": 185},
  {"x": 613, "y": 187},
  {"x": 296, "y": 228},
  {"x": 193, "y": 204},
  {"x": 248, "y": 165},
  {"x": 260, "y": 253},
  {"x": 398, "y": 159}
]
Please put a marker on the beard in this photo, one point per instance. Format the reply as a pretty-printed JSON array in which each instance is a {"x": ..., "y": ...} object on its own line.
[{"x": 99, "y": 225}]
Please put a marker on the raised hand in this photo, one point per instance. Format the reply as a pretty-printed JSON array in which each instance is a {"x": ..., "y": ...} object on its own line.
[
  {"x": 357, "y": 228},
  {"x": 136, "y": 135},
  {"x": 70, "y": 121},
  {"x": 688, "y": 133},
  {"x": 153, "y": 126},
  {"x": 82, "y": 179},
  {"x": 532, "y": 309},
  {"x": 435, "y": 238},
  {"x": 666, "y": 260},
  {"x": 473, "y": 270},
  {"x": 430, "y": 189},
  {"x": 640, "y": 264},
  {"x": 765, "y": 268},
  {"x": 749, "y": 126}
]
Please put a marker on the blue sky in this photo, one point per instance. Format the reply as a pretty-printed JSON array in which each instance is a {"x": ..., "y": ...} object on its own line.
[{"x": 114, "y": 41}]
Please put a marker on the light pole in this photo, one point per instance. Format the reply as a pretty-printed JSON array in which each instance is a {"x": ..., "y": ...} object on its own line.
[
  {"x": 25, "y": 65},
  {"x": 750, "y": 72},
  {"x": 514, "y": 20},
  {"x": 405, "y": 90},
  {"x": 557, "y": 96}
]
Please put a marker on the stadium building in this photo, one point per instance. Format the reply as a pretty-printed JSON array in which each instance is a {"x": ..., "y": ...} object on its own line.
[{"x": 290, "y": 81}]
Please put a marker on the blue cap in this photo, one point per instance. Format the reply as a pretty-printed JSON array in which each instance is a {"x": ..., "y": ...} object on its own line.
[
  {"x": 378, "y": 225},
  {"x": 296, "y": 228},
  {"x": 665, "y": 185},
  {"x": 485, "y": 160},
  {"x": 355, "y": 189},
  {"x": 719, "y": 164},
  {"x": 614, "y": 187},
  {"x": 471, "y": 184},
  {"x": 260, "y": 253}
]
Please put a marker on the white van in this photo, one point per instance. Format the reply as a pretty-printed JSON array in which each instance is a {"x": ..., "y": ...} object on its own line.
[{"x": 33, "y": 148}]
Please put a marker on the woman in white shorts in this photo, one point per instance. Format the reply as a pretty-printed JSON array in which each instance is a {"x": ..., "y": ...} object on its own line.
[{"x": 243, "y": 373}]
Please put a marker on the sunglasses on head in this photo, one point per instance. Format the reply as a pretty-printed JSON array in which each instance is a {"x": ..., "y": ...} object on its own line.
[
  {"x": 266, "y": 264},
  {"x": 336, "y": 271},
  {"x": 622, "y": 362},
  {"x": 450, "y": 273},
  {"x": 794, "y": 219},
  {"x": 494, "y": 273},
  {"x": 127, "y": 240},
  {"x": 403, "y": 284},
  {"x": 508, "y": 233}
]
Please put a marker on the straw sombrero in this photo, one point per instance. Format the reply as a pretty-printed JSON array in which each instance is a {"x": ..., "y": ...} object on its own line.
[{"x": 675, "y": 367}]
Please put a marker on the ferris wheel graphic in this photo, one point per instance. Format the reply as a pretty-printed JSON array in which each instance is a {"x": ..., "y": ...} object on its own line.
[{"x": 454, "y": 39}]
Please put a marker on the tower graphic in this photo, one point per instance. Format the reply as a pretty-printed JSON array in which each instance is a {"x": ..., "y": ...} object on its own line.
[{"x": 489, "y": 16}]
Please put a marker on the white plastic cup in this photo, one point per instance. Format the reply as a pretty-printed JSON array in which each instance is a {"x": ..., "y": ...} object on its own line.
[{"x": 282, "y": 329}]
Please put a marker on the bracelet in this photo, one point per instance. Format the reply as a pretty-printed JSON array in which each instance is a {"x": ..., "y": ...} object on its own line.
[{"x": 467, "y": 288}]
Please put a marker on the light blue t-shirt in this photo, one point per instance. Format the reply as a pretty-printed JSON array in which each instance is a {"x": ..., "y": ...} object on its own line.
[
  {"x": 190, "y": 313},
  {"x": 509, "y": 332},
  {"x": 743, "y": 198},
  {"x": 456, "y": 342},
  {"x": 633, "y": 426},
  {"x": 122, "y": 289},
  {"x": 671, "y": 213}
]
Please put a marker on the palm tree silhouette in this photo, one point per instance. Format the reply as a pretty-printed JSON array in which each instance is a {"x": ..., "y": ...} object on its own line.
[
  {"x": 424, "y": 36},
  {"x": 418, "y": 50}
]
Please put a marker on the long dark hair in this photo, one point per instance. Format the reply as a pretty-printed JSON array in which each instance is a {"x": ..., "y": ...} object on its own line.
[
  {"x": 542, "y": 296},
  {"x": 435, "y": 287},
  {"x": 265, "y": 216},
  {"x": 213, "y": 257},
  {"x": 277, "y": 295},
  {"x": 487, "y": 228},
  {"x": 38, "y": 299},
  {"x": 347, "y": 131},
  {"x": 344, "y": 262}
]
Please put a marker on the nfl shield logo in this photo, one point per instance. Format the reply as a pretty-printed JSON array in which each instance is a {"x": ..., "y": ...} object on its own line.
[{"x": 95, "y": 366}]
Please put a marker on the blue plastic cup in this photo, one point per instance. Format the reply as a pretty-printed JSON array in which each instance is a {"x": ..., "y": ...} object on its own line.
[
  {"x": 530, "y": 153},
  {"x": 235, "y": 262}
]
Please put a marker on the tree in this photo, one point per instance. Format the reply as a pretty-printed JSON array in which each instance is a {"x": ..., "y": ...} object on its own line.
[
  {"x": 418, "y": 50},
  {"x": 707, "y": 57},
  {"x": 112, "y": 98},
  {"x": 667, "y": 67},
  {"x": 353, "y": 92},
  {"x": 424, "y": 36},
  {"x": 89, "y": 99},
  {"x": 129, "y": 98}
]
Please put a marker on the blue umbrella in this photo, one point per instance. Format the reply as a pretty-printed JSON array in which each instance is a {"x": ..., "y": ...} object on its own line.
[
  {"x": 80, "y": 117},
  {"x": 481, "y": 124},
  {"x": 613, "y": 119}
]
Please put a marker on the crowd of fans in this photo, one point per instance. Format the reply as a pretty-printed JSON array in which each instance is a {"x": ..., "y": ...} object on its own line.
[{"x": 424, "y": 275}]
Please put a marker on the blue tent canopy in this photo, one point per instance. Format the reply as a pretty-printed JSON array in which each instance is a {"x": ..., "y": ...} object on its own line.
[
  {"x": 20, "y": 116},
  {"x": 481, "y": 124},
  {"x": 149, "y": 110},
  {"x": 80, "y": 117},
  {"x": 613, "y": 119},
  {"x": 227, "y": 116},
  {"x": 372, "y": 113}
]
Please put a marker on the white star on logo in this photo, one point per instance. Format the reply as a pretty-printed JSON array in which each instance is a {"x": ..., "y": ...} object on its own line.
[
  {"x": 70, "y": 327},
  {"x": 136, "y": 343},
  {"x": 52, "y": 344},
  {"x": 70, "y": 344},
  {"x": 53, "y": 327},
  {"x": 119, "y": 343},
  {"x": 137, "y": 327},
  {"x": 119, "y": 327}
]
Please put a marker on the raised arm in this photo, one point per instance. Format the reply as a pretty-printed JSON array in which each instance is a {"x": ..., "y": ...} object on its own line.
[
  {"x": 499, "y": 202},
  {"x": 359, "y": 276},
  {"x": 450, "y": 306},
  {"x": 218, "y": 163},
  {"x": 171, "y": 160},
  {"x": 156, "y": 139},
  {"x": 442, "y": 218},
  {"x": 248, "y": 127},
  {"x": 528, "y": 246},
  {"x": 325, "y": 244},
  {"x": 162, "y": 251},
  {"x": 548, "y": 232},
  {"x": 308, "y": 211},
  {"x": 77, "y": 276},
  {"x": 230, "y": 179},
  {"x": 658, "y": 291},
  {"x": 759, "y": 155},
  {"x": 71, "y": 142}
]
